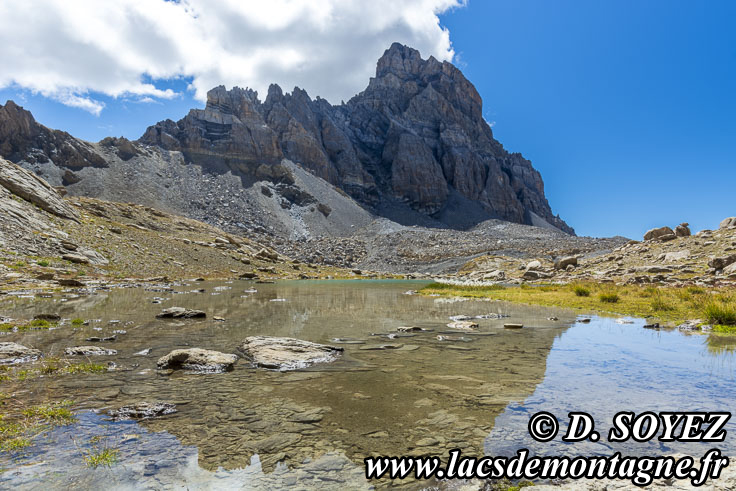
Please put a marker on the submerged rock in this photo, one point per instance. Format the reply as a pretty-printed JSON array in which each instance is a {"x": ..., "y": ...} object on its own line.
[
  {"x": 89, "y": 351},
  {"x": 375, "y": 347},
  {"x": 513, "y": 326},
  {"x": 180, "y": 313},
  {"x": 142, "y": 410},
  {"x": 17, "y": 353},
  {"x": 198, "y": 359},
  {"x": 286, "y": 353},
  {"x": 463, "y": 325}
]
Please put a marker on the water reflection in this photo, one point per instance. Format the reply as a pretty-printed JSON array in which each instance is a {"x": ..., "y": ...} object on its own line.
[{"x": 427, "y": 397}]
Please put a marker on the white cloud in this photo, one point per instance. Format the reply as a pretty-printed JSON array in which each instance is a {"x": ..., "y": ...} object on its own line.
[{"x": 68, "y": 49}]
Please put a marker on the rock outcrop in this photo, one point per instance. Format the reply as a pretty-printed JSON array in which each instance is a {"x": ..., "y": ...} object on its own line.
[
  {"x": 17, "y": 353},
  {"x": 22, "y": 138},
  {"x": 198, "y": 359},
  {"x": 415, "y": 139},
  {"x": 661, "y": 233},
  {"x": 32, "y": 188},
  {"x": 286, "y": 353}
]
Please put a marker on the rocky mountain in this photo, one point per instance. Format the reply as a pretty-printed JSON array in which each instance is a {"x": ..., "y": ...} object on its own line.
[
  {"x": 412, "y": 150},
  {"x": 415, "y": 137}
]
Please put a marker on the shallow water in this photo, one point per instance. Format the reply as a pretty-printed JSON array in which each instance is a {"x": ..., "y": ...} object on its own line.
[{"x": 256, "y": 428}]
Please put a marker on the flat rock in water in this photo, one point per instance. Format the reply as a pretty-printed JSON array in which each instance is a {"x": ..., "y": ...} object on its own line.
[
  {"x": 286, "y": 353},
  {"x": 463, "y": 325},
  {"x": 180, "y": 313},
  {"x": 376, "y": 347},
  {"x": 17, "y": 353},
  {"x": 89, "y": 351},
  {"x": 347, "y": 341},
  {"x": 198, "y": 359},
  {"x": 513, "y": 326},
  {"x": 460, "y": 318},
  {"x": 142, "y": 410},
  {"x": 412, "y": 329}
]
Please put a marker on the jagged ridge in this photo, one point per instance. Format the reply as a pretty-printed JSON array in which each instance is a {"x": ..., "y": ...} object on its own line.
[{"x": 416, "y": 135}]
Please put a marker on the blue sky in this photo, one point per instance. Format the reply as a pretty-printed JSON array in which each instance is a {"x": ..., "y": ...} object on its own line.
[{"x": 627, "y": 108}]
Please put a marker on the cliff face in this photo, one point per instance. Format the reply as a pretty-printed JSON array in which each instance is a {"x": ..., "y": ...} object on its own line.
[
  {"x": 413, "y": 147},
  {"x": 415, "y": 137},
  {"x": 22, "y": 138}
]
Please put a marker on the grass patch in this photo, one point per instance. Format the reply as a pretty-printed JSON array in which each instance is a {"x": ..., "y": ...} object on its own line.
[
  {"x": 19, "y": 426},
  {"x": 55, "y": 414},
  {"x": 77, "y": 322},
  {"x": 439, "y": 287},
  {"x": 85, "y": 368},
  {"x": 720, "y": 310},
  {"x": 44, "y": 263},
  {"x": 581, "y": 291},
  {"x": 659, "y": 304},
  {"x": 104, "y": 457},
  {"x": 99, "y": 453},
  {"x": 665, "y": 305},
  {"x": 608, "y": 297}
]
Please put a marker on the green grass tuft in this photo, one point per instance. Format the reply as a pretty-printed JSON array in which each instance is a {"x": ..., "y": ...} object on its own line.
[
  {"x": 720, "y": 312},
  {"x": 77, "y": 322},
  {"x": 581, "y": 291},
  {"x": 608, "y": 297}
]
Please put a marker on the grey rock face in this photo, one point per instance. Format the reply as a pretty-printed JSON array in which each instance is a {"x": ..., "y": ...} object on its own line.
[
  {"x": 17, "y": 353},
  {"x": 32, "y": 188},
  {"x": 197, "y": 359},
  {"x": 728, "y": 222},
  {"x": 22, "y": 138},
  {"x": 416, "y": 135},
  {"x": 286, "y": 353}
]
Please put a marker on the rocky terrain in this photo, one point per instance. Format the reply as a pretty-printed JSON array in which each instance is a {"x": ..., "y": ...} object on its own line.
[
  {"x": 364, "y": 184},
  {"x": 665, "y": 256},
  {"x": 50, "y": 241}
]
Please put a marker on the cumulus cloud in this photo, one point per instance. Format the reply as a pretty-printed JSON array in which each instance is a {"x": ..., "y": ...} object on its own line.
[{"x": 71, "y": 50}]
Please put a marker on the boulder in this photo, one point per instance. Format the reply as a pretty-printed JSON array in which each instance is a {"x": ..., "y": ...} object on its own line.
[
  {"x": 683, "y": 230},
  {"x": 181, "y": 313},
  {"x": 47, "y": 317},
  {"x": 661, "y": 233},
  {"x": 534, "y": 265},
  {"x": 463, "y": 325},
  {"x": 564, "y": 262},
  {"x": 198, "y": 359},
  {"x": 89, "y": 351},
  {"x": 76, "y": 258},
  {"x": 142, "y": 410},
  {"x": 266, "y": 255},
  {"x": 286, "y": 353},
  {"x": 17, "y": 353},
  {"x": 675, "y": 256},
  {"x": 729, "y": 222},
  {"x": 496, "y": 275},
  {"x": 730, "y": 270},
  {"x": 722, "y": 262}
]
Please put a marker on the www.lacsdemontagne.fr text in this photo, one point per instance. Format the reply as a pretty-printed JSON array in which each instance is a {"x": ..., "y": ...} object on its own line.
[{"x": 641, "y": 471}]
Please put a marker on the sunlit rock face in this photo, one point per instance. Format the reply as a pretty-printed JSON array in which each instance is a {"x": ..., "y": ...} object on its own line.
[{"x": 415, "y": 138}]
